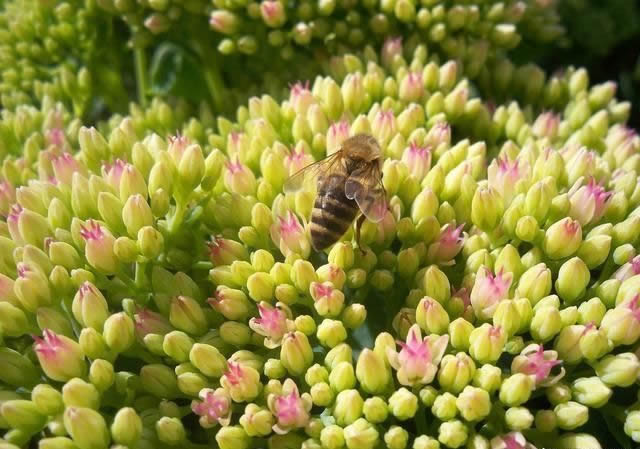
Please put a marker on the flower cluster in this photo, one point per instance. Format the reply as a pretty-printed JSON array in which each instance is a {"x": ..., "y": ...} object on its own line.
[{"x": 162, "y": 290}]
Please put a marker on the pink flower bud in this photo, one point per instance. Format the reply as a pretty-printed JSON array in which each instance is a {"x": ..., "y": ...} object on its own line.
[
  {"x": 64, "y": 166},
  {"x": 55, "y": 136},
  {"x": 328, "y": 301},
  {"x": 488, "y": 290},
  {"x": 90, "y": 307},
  {"x": 417, "y": 361},
  {"x": 177, "y": 146},
  {"x": 241, "y": 381},
  {"x": 274, "y": 323},
  {"x": 223, "y": 21},
  {"x": 536, "y": 362},
  {"x": 504, "y": 175},
  {"x": 418, "y": 159},
  {"x": 238, "y": 178},
  {"x": 628, "y": 270},
  {"x": 112, "y": 173},
  {"x": 99, "y": 247},
  {"x": 224, "y": 251},
  {"x": 338, "y": 132},
  {"x": 13, "y": 219},
  {"x": 438, "y": 134},
  {"x": 296, "y": 161},
  {"x": 273, "y": 13},
  {"x": 214, "y": 407},
  {"x": 448, "y": 245},
  {"x": 391, "y": 48},
  {"x": 301, "y": 97},
  {"x": 237, "y": 142},
  {"x": 384, "y": 126},
  {"x": 546, "y": 125},
  {"x": 60, "y": 357},
  {"x": 411, "y": 87},
  {"x": 513, "y": 440},
  {"x": 147, "y": 322},
  {"x": 7, "y": 197},
  {"x": 588, "y": 202},
  {"x": 290, "y": 408},
  {"x": 290, "y": 237}
]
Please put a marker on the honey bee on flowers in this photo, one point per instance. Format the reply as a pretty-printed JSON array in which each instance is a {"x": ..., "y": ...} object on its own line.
[{"x": 349, "y": 181}]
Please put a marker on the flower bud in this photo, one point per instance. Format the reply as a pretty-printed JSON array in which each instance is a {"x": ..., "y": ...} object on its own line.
[
  {"x": 119, "y": 332},
  {"x": 444, "y": 407},
  {"x": 507, "y": 317},
  {"x": 360, "y": 435},
  {"x": 354, "y": 315},
  {"x": 436, "y": 284},
  {"x": 78, "y": 393},
  {"x": 486, "y": 208},
  {"x": 99, "y": 244},
  {"x": 453, "y": 433},
  {"x": 590, "y": 391},
  {"x": 572, "y": 280},
  {"x": 591, "y": 311},
  {"x": 518, "y": 418},
  {"x": 170, "y": 430},
  {"x": 341, "y": 353},
  {"x": 562, "y": 239},
  {"x": 459, "y": 332},
  {"x": 60, "y": 357},
  {"x": 342, "y": 376},
  {"x": 396, "y": 438},
  {"x": 232, "y": 437},
  {"x": 328, "y": 301},
  {"x": 87, "y": 427},
  {"x": 375, "y": 410},
  {"x": 403, "y": 404},
  {"x": 546, "y": 323},
  {"x": 631, "y": 425},
  {"x": 187, "y": 315},
  {"x": 621, "y": 323},
  {"x": 473, "y": 403},
  {"x": 372, "y": 373},
  {"x": 305, "y": 324},
  {"x": 32, "y": 288},
  {"x": 256, "y": 421},
  {"x": 571, "y": 415},
  {"x": 126, "y": 428},
  {"x": 456, "y": 372},
  {"x": 516, "y": 389},
  {"x": 619, "y": 370},
  {"x": 488, "y": 377},
  {"x": 90, "y": 307},
  {"x": 431, "y": 316},
  {"x": 296, "y": 354},
  {"x": 486, "y": 343},
  {"x": 22, "y": 414},
  {"x": 348, "y": 407},
  {"x": 568, "y": 344},
  {"x": 47, "y": 399},
  {"x": 330, "y": 333},
  {"x": 322, "y": 394},
  {"x": 488, "y": 290},
  {"x": 290, "y": 409}
]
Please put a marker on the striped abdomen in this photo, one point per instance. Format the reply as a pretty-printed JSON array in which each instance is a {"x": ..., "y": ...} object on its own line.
[{"x": 332, "y": 213}]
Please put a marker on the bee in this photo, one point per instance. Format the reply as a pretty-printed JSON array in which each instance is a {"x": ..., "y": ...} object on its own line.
[{"x": 349, "y": 182}]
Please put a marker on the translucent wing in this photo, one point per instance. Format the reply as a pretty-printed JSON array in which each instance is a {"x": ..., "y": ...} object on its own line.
[
  {"x": 365, "y": 187},
  {"x": 297, "y": 180}
]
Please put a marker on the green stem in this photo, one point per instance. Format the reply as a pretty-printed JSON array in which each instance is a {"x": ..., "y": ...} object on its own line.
[
  {"x": 140, "y": 60},
  {"x": 215, "y": 85},
  {"x": 177, "y": 218},
  {"x": 421, "y": 420}
]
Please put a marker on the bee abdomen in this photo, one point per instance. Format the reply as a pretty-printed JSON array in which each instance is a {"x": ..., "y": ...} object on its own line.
[{"x": 331, "y": 217}]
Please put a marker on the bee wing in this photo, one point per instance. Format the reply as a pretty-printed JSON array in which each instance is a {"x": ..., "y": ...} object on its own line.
[
  {"x": 296, "y": 181},
  {"x": 365, "y": 187}
]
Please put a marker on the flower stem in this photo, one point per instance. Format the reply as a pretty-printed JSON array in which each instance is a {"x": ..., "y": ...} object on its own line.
[{"x": 140, "y": 60}]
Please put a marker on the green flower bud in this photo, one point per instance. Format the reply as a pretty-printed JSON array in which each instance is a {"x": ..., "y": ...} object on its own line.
[
  {"x": 428, "y": 395},
  {"x": 545, "y": 420},
  {"x": 459, "y": 333},
  {"x": 558, "y": 393},
  {"x": 488, "y": 377},
  {"x": 354, "y": 315},
  {"x": 425, "y": 442},
  {"x": 453, "y": 433},
  {"x": 274, "y": 369},
  {"x": 431, "y": 316},
  {"x": 591, "y": 311},
  {"x": 23, "y": 415},
  {"x": 456, "y": 372},
  {"x": 295, "y": 353},
  {"x": 507, "y": 317},
  {"x": 101, "y": 374},
  {"x": 234, "y": 333},
  {"x": 32, "y": 288},
  {"x": 332, "y": 437},
  {"x": 232, "y": 437},
  {"x": 631, "y": 425},
  {"x": 126, "y": 428},
  {"x": 486, "y": 343},
  {"x": 535, "y": 283},
  {"x": 403, "y": 404},
  {"x": 486, "y": 208},
  {"x": 90, "y": 307},
  {"x": 316, "y": 374},
  {"x": 594, "y": 250},
  {"x": 207, "y": 359},
  {"x": 322, "y": 394},
  {"x": 619, "y": 370},
  {"x": 170, "y": 431},
  {"x": 568, "y": 344},
  {"x": 87, "y": 427},
  {"x": 47, "y": 399},
  {"x": 571, "y": 415},
  {"x": 372, "y": 372},
  {"x": 348, "y": 407},
  {"x": 360, "y": 435},
  {"x": 546, "y": 323},
  {"x": 79, "y": 393},
  {"x": 396, "y": 438},
  {"x": 444, "y": 407},
  {"x": 436, "y": 284},
  {"x": 159, "y": 380},
  {"x": 473, "y": 403},
  {"x": 375, "y": 410},
  {"x": 119, "y": 332},
  {"x": 187, "y": 315},
  {"x": 562, "y": 239},
  {"x": 590, "y": 391},
  {"x": 177, "y": 345},
  {"x": 518, "y": 418},
  {"x": 342, "y": 376},
  {"x": 13, "y": 321},
  {"x": 594, "y": 343},
  {"x": 572, "y": 280},
  {"x": 342, "y": 353},
  {"x": 330, "y": 333},
  {"x": 516, "y": 389},
  {"x": 256, "y": 421}
]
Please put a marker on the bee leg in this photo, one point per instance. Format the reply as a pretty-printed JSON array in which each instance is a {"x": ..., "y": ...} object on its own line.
[{"x": 359, "y": 223}]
